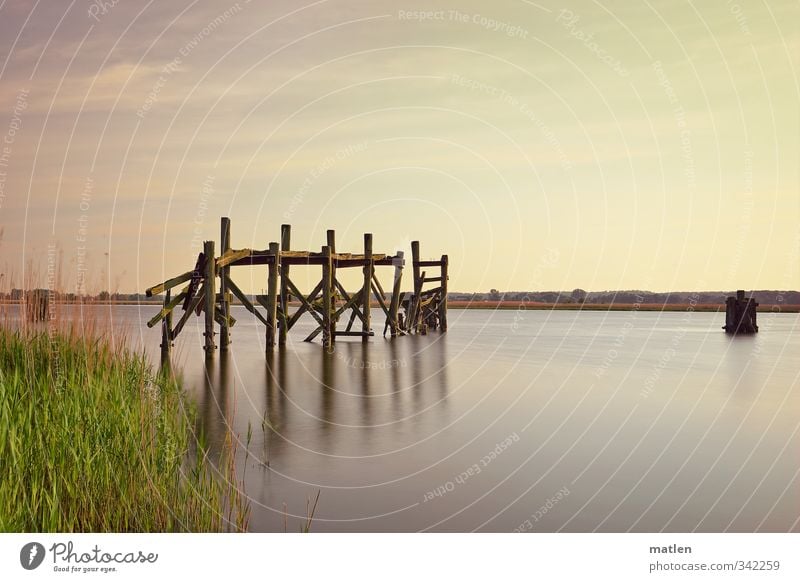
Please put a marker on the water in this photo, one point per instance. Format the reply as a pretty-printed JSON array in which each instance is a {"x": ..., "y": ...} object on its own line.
[{"x": 533, "y": 421}]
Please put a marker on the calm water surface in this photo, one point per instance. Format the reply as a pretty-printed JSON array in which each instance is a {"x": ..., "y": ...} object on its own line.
[{"x": 532, "y": 420}]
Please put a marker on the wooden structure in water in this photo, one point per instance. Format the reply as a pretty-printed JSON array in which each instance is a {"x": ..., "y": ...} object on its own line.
[
  {"x": 740, "y": 314},
  {"x": 36, "y": 304},
  {"x": 209, "y": 288}
]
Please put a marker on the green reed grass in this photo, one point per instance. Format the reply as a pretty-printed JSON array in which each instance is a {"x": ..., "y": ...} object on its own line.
[{"x": 92, "y": 440}]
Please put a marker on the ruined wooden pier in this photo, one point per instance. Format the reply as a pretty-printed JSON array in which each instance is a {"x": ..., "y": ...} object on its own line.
[
  {"x": 326, "y": 303},
  {"x": 740, "y": 314}
]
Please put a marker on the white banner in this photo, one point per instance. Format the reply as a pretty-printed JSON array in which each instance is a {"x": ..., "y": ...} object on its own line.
[{"x": 401, "y": 557}]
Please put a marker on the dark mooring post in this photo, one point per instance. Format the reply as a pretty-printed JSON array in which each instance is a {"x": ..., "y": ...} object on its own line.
[
  {"x": 443, "y": 300},
  {"x": 394, "y": 306},
  {"x": 286, "y": 236},
  {"x": 327, "y": 296},
  {"x": 225, "y": 296},
  {"x": 166, "y": 327},
  {"x": 331, "y": 238},
  {"x": 740, "y": 314},
  {"x": 211, "y": 296},
  {"x": 272, "y": 295},
  {"x": 366, "y": 291}
]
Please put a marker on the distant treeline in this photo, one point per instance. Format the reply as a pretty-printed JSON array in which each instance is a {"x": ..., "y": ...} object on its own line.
[{"x": 763, "y": 296}]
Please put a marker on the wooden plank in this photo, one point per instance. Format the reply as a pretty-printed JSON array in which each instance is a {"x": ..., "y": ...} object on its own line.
[
  {"x": 302, "y": 309},
  {"x": 230, "y": 256},
  {"x": 245, "y": 301},
  {"x": 381, "y": 301},
  {"x": 354, "y": 333},
  {"x": 166, "y": 326},
  {"x": 169, "y": 305},
  {"x": 428, "y": 263},
  {"x": 168, "y": 284},
  {"x": 193, "y": 304},
  {"x": 303, "y": 302},
  {"x": 431, "y": 280}
]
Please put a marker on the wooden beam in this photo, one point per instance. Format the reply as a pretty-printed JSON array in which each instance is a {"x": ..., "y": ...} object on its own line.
[
  {"x": 366, "y": 308},
  {"x": 412, "y": 315},
  {"x": 272, "y": 298},
  {"x": 166, "y": 325},
  {"x": 429, "y": 263},
  {"x": 327, "y": 299},
  {"x": 211, "y": 295},
  {"x": 230, "y": 257},
  {"x": 168, "y": 284},
  {"x": 193, "y": 304},
  {"x": 169, "y": 305},
  {"x": 302, "y": 309},
  {"x": 225, "y": 303},
  {"x": 286, "y": 237},
  {"x": 394, "y": 305},
  {"x": 245, "y": 301},
  {"x": 431, "y": 279},
  {"x": 304, "y": 302},
  {"x": 443, "y": 301}
]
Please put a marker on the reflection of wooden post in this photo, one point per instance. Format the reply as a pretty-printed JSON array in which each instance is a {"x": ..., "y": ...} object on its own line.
[
  {"x": 272, "y": 295},
  {"x": 286, "y": 235},
  {"x": 327, "y": 336},
  {"x": 443, "y": 300},
  {"x": 394, "y": 306},
  {"x": 366, "y": 291},
  {"x": 166, "y": 327},
  {"x": 211, "y": 295},
  {"x": 225, "y": 242}
]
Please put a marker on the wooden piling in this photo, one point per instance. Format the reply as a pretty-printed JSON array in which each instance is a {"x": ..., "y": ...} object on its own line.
[
  {"x": 394, "y": 305},
  {"x": 211, "y": 296},
  {"x": 272, "y": 295},
  {"x": 443, "y": 299},
  {"x": 366, "y": 307},
  {"x": 286, "y": 236},
  {"x": 327, "y": 296},
  {"x": 166, "y": 327},
  {"x": 225, "y": 243},
  {"x": 413, "y": 314}
]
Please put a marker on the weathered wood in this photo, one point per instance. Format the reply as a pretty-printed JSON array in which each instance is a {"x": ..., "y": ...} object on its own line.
[
  {"x": 168, "y": 284},
  {"x": 245, "y": 301},
  {"x": 394, "y": 305},
  {"x": 272, "y": 298},
  {"x": 286, "y": 236},
  {"x": 169, "y": 305},
  {"x": 366, "y": 307},
  {"x": 327, "y": 300},
  {"x": 381, "y": 300},
  {"x": 166, "y": 325},
  {"x": 224, "y": 271},
  {"x": 412, "y": 315},
  {"x": 443, "y": 300},
  {"x": 429, "y": 263},
  {"x": 231, "y": 257},
  {"x": 210, "y": 303},
  {"x": 193, "y": 305},
  {"x": 305, "y": 305},
  {"x": 431, "y": 279},
  {"x": 354, "y": 333}
]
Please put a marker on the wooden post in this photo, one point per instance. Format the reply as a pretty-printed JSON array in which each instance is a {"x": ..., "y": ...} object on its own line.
[
  {"x": 331, "y": 238},
  {"x": 211, "y": 296},
  {"x": 443, "y": 300},
  {"x": 394, "y": 306},
  {"x": 327, "y": 292},
  {"x": 166, "y": 327},
  {"x": 286, "y": 235},
  {"x": 272, "y": 295},
  {"x": 225, "y": 242},
  {"x": 413, "y": 314},
  {"x": 366, "y": 291}
]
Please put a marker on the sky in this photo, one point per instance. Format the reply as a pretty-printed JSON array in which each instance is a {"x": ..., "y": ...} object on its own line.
[{"x": 542, "y": 146}]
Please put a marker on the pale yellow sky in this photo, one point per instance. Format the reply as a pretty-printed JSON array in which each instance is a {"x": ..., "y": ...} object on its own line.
[{"x": 602, "y": 145}]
